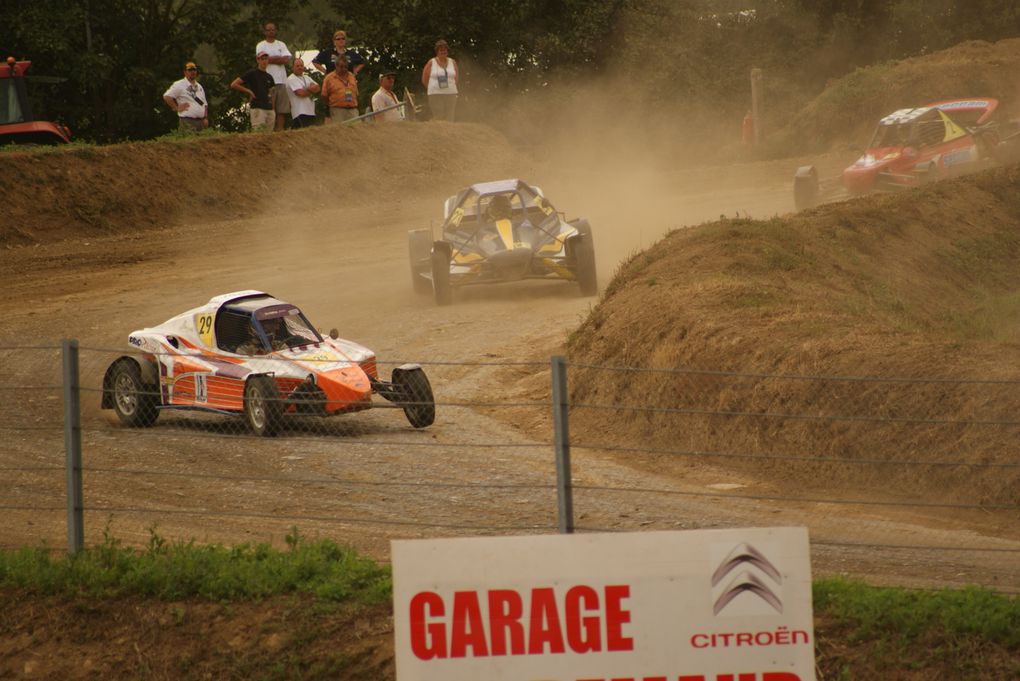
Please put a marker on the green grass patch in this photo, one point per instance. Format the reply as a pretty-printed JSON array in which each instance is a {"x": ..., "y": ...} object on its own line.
[
  {"x": 75, "y": 146},
  {"x": 862, "y": 632},
  {"x": 87, "y": 150},
  {"x": 885, "y": 613},
  {"x": 177, "y": 570},
  {"x": 177, "y": 135}
]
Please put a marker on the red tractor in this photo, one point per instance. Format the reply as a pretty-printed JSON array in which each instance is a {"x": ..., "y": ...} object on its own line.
[{"x": 17, "y": 125}]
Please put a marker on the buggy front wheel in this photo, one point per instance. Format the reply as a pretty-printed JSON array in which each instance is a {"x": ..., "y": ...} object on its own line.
[
  {"x": 440, "y": 261},
  {"x": 419, "y": 242},
  {"x": 584, "y": 256},
  {"x": 582, "y": 247},
  {"x": 416, "y": 400}
]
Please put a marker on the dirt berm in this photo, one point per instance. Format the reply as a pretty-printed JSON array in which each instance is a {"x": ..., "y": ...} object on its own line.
[
  {"x": 922, "y": 286},
  {"x": 89, "y": 191}
]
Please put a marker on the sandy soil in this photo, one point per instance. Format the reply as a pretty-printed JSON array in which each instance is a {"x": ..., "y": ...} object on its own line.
[{"x": 367, "y": 478}]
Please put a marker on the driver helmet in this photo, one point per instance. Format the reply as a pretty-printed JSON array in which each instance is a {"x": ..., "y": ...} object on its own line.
[
  {"x": 274, "y": 328},
  {"x": 499, "y": 207}
]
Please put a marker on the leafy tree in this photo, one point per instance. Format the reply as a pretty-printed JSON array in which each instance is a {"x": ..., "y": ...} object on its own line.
[
  {"x": 119, "y": 56},
  {"x": 500, "y": 45}
]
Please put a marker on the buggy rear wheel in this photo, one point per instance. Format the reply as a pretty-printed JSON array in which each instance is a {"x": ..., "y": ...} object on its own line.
[
  {"x": 133, "y": 401},
  {"x": 263, "y": 408},
  {"x": 417, "y": 402}
]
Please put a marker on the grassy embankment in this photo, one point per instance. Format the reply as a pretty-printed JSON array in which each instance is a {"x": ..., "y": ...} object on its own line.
[{"x": 862, "y": 631}]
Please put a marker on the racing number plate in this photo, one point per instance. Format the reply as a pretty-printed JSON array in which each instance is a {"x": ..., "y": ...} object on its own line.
[
  {"x": 457, "y": 216},
  {"x": 204, "y": 326}
]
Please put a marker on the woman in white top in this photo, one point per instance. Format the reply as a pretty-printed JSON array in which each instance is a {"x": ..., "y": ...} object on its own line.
[{"x": 439, "y": 78}]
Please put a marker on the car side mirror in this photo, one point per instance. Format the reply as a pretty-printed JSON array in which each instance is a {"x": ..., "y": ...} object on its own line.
[{"x": 333, "y": 333}]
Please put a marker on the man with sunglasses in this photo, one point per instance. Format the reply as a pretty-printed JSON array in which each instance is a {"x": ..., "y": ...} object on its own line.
[
  {"x": 325, "y": 60},
  {"x": 186, "y": 97}
]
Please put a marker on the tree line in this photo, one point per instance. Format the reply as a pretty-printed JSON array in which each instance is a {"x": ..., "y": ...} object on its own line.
[{"x": 116, "y": 57}]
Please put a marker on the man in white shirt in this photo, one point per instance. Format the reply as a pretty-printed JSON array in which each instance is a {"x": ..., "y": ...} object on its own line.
[
  {"x": 384, "y": 98},
  {"x": 279, "y": 58},
  {"x": 300, "y": 88},
  {"x": 186, "y": 97}
]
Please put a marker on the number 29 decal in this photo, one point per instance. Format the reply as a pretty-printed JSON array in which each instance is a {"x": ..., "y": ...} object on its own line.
[{"x": 204, "y": 326}]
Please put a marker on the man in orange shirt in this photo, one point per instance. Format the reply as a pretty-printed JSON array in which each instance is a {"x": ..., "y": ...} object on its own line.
[{"x": 340, "y": 91}]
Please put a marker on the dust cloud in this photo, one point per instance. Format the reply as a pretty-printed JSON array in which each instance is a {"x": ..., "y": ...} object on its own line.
[{"x": 636, "y": 172}]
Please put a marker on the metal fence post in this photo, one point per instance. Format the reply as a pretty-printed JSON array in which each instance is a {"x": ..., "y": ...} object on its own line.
[
  {"x": 72, "y": 448},
  {"x": 564, "y": 487}
]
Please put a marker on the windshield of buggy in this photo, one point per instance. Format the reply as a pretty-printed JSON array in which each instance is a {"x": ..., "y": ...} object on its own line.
[
  {"x": 473, "y": 209},
  {"x": 891, "y": 135},
  {"x": 918, "y": 130},
  {"x": 287, "y": 323},
  {"x": 254, "y": 326}
]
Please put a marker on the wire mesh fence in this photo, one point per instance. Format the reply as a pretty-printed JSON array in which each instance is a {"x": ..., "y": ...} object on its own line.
[{"x": 913, "y": 481}]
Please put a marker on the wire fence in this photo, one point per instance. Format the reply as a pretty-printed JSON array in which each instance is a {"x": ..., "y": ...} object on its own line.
[{"x": 912, "y": 481}]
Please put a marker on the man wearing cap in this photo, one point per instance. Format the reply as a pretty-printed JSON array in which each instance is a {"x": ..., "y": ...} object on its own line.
[
  {"x": 279, "y": 59},
  {"x": 300, "y": 88},
  {"x": 186, "y": 97},
  {"x": 257, "y": 84},
  {"x": 325, "y": 60},
  {"x": 384, "y": 98},
  {"x": 340, "y": 90}
]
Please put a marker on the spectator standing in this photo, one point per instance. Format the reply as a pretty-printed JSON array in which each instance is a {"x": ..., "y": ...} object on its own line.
[
  {"x": 325, "y": 60},
  {"x": 440, "y": 80},
  {"x": 340, "y": 90},
  {"x": 384, "y": 97},
  {"x": 279, "y": 60},
  {"x": 187, "y": 98},
  {"x": 257, "y": 84},
  {"x": 300, "y": 88}
]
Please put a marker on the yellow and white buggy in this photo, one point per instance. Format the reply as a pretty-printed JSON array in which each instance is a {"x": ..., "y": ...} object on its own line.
[{"x": 501, "y": 231}]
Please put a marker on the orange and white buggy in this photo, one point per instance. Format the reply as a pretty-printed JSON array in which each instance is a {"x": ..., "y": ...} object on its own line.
[{"x": 248, "y": 353}]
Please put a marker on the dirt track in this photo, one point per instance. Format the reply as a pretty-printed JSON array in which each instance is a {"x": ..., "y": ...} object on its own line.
[{"x": 347, "y": 267}]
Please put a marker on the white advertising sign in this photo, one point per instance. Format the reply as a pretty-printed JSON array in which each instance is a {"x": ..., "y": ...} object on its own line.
[{"x": 703, "y": 605}]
